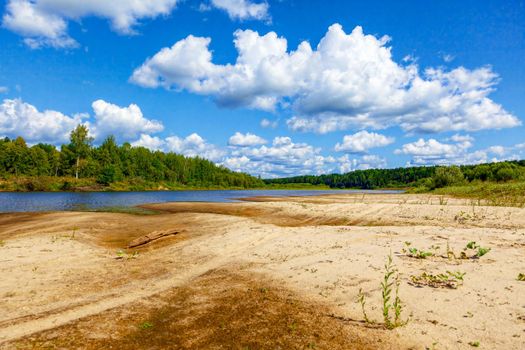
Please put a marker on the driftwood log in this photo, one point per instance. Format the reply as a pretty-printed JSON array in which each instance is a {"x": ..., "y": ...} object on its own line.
[{"x": 150, "y": 237}]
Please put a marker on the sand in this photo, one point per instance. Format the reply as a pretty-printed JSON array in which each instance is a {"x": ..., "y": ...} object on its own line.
[{"x": 266, "y": 273}]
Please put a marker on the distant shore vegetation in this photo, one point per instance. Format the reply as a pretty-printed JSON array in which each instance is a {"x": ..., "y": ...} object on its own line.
[
  {"x": 500, "y": 183},
  {"x": 421, "y": 178}
]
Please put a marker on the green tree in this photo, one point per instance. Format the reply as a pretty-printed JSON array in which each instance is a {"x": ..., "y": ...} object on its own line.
[{"x": 80, "y": 145}]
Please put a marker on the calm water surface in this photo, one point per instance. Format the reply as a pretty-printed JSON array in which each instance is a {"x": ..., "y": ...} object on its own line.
[{"x": 49, "y": 201}]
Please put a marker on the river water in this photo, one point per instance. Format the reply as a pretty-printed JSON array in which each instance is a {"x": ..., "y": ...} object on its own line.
[{"x": 51, "y": 201}]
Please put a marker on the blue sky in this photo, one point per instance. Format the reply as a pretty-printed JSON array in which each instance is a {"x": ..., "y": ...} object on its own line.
[{"x": 308, "y": 87}]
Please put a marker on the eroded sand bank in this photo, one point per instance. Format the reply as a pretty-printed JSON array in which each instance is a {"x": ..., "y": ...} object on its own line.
[{"x": 265, "y": 273}]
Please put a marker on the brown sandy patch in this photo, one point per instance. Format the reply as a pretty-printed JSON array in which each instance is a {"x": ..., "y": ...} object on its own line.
[
  {"x": 219, "y": 310},
  {"x": 108, "y": 230},
  {"x": 262, "y": 214}
]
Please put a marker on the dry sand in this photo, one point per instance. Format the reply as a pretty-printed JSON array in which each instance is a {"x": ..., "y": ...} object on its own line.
[{"x": 268, "y": 273}]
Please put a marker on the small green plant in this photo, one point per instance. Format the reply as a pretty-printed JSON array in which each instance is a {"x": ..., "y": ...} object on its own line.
[
  {"x": 397, "y": 305},
  {"x": 416, "y": 253},
  {"x": 471, "y": 245},
  {"x": 391, "y": 279},
  {"x": 521, "y": 277},
  {"x": 2, "y": 243},
  {"x": 474, "y": 344},
  {"x": 480, "y": 251},
  {"x": 361, "y": 299},
  {"x": 146, "y": 325},
  {"x": 389, "y": 284},
  {"x": 449, "y": 279}
]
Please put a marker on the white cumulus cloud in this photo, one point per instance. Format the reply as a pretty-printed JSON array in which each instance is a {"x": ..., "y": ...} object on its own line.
[
  {"x": 346, "y": 81},
  {"x": 154, "y": 143},
  {"x": 432, "y": 151},
  {"x": 194, "y": 145},
  {"x": 126, "y": 123},
  {"x": 244, "y": 140},
  {"x": 18, "y": 118},
  {"x": 282, "y": 158},
  {"x": 243, "y": 9},
  {"x": 45, "y": 22},
  {"x": 362, "y": 141},
  {"x": 369, "y": 161}
]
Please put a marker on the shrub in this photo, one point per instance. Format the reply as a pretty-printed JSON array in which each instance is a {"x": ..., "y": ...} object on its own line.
[{"x": 447, "y": 176}]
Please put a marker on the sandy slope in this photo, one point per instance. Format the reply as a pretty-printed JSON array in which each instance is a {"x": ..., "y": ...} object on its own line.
[{"x": 61, "y": 279}]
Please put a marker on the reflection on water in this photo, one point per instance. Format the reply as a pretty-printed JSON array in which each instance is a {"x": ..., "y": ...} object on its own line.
[{"x": 49, "y": 201}]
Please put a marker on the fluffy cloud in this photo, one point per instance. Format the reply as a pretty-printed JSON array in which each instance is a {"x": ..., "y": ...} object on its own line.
[
  {"x": 4, "y": 89},
  {"x": 431, "y": 151},
  {"x": 154, "y": 143},
  {"x": 18, "y": 118},
  {"x": 44, "y": 22},
  {"x": 244, "y": 140},
  {"x": 124, "y": 122},
  {"x": 243, "y": 9},
  {"x": 40, "y": 28},
  {"x": 287, "y": 158},
  {"x": 282, "y": 158},
  {"x": 347, "y": 164},
  {"x": 191, "y": 146},
  {"x": 432, "y": 147},
  {"x": 362, "y": 141},
  {"x": 347, "y": 81},
  {"x": 194, "y": 145}
]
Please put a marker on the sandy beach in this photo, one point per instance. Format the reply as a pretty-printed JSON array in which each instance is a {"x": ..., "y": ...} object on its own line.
[{"x": 266, "y": 273}]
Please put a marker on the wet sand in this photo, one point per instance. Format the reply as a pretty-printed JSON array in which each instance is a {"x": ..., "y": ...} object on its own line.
[{"x": 262, "y": 274}]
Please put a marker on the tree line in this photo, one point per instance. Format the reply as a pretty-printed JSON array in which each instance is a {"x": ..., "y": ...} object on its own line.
[
  {"x": 111, "y": 163},
  {"x": 140, "y": 168},
  {"x": 424, "y": 176}
]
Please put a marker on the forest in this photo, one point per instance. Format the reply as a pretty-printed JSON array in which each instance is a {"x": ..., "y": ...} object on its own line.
[
  {"x": 79, "y": 165},
  {"x": 424, "y": 177}
]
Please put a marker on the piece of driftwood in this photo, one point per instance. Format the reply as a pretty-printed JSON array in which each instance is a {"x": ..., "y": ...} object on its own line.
[{"x": 150, "y": 237}]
